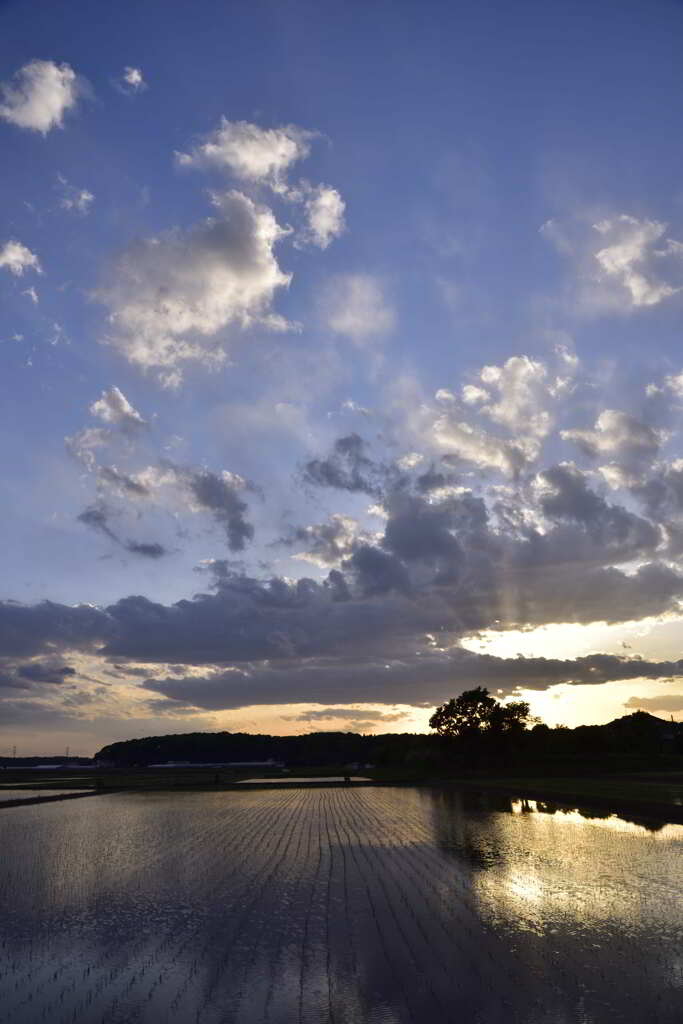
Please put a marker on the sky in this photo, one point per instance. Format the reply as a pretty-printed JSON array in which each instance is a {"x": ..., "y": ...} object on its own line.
[{"x": 341, "y": 370}]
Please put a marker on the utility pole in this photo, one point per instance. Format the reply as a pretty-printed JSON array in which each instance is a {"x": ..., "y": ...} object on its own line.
[{"x": 14, "y": 751}]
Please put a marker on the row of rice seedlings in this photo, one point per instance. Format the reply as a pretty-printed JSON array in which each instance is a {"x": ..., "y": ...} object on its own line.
[{"x": 72, "y": 986}]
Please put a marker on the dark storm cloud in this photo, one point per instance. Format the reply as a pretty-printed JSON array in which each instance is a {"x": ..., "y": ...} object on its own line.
[
  {"x": 375, "y": 571},
  {"x": 421, "y": 530},
  {"x": 432, "y": 479},
  {"x": 9, "y": 681},
  {"x": 221, "y": 496},
  {"x": 151, "y": 550},
  {"x": 15, "y": 675},
  {"x": 440, "y": 567},
  {"x": 248, "y": 620},
  {"x": 385, "y": 625},
  {"x": 47, "y": 671},
  {"x": 26, "y": 630},
  {"x": 97, "y": 517},
  {"x": 346, "y": 468},
  {"x": 662, "y": 493},
  {"x": 611, "y": 527},
  {"x": 422, "y": 681},
  {"x": 326, "y": 542}
]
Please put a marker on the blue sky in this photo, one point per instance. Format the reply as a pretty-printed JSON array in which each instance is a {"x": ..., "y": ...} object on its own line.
[{"x": 340, "y": 352}]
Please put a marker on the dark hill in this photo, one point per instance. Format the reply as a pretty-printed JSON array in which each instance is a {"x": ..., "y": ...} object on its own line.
[{"x": 639, "y": 741}]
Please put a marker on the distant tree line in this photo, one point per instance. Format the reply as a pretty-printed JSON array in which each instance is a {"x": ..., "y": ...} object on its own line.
[{"x": 474, "y": 732}]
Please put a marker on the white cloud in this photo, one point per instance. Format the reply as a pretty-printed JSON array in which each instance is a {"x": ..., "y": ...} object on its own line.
[
  {"x": 355, "y": 307},
  {"x": 170, "y": 296},
  {"x": 325, "y": 216},
  {"x": 17, "y": 258},
  {"x": 329, "y": 542},
  {"x": 472, "y": 394},
  {"x": 616, "y": 477},
  {"x": 522, "y": 390},
  {"x": 85, "y": 443},
  {"x": 616, "y": 432},
  {"x": 32, "y": 295},
  {"x": 625, "y": 258},
  {"x": 251, "y": 153},
  {"x": 410, "y": 460},
  {"x": 132, "y": 80},
  {"x": 78, "y": 199},
  {"x": 515, "y": 395},
  {"x": 672, "y": 382},
  {"x": 621, "y": 263},
  {"x": 472, "y": 444},
  {"x": 42, "y": 92},
  {"x": 113, "y": 407}
]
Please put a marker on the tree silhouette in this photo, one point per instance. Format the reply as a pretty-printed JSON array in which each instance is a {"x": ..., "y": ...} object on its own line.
[{"x": 476, "y": 712}]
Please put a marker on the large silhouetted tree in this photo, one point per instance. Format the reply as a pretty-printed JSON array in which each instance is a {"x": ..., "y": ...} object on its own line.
[{"x": 477, "y": 713}]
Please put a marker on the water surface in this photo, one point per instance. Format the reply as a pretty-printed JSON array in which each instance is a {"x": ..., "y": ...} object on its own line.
[{"x": 335, "y": 905}]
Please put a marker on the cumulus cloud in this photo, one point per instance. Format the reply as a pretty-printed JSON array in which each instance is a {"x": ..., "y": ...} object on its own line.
[
  {"x": 673, "y": 382},
  {"x": 468, "y": 443},
  {"x": 170, "y": 297},
  {"x": 132, "y": 81},
  {"x": 661, "y": 491},
  {"x": 114, "y": 408},
  {"x": 471, "y": 394},
  {"x": 452, "y": 555},
  {"x": 327, "y": 543},
  {"x": 622, "y": 263},
  {"x": 520, "y": 387},
  {"x": 384, "y": 629},
  {"x": 517, "y": 399},
  {"x": 250, "y": 153},
  {"x": 618, "y": 434},
  {"x": 630, "y": 257},
  {"x": 17, "y": 258},
  {"x": 324, "y": 215},
  {"x": 144, "y": 489},
  {"x": 565, "y": 496},
  {"x": 123, "y": 484},
  {"x": 40, "y": 94},
  {"x": 355, "y": 307}
]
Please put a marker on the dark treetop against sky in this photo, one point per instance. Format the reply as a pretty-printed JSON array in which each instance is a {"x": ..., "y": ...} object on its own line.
[{"x": 341, "y": 363}]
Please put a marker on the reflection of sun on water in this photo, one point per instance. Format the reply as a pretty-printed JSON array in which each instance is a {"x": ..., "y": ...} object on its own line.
[
  {"x": 613, "y": 822},
  {"x": 559, "y": 871}
]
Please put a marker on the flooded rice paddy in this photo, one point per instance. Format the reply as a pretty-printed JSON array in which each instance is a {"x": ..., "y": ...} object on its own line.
[
  {"x": 335, "y": 905},
  {"x": 27, "y": 792}
]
